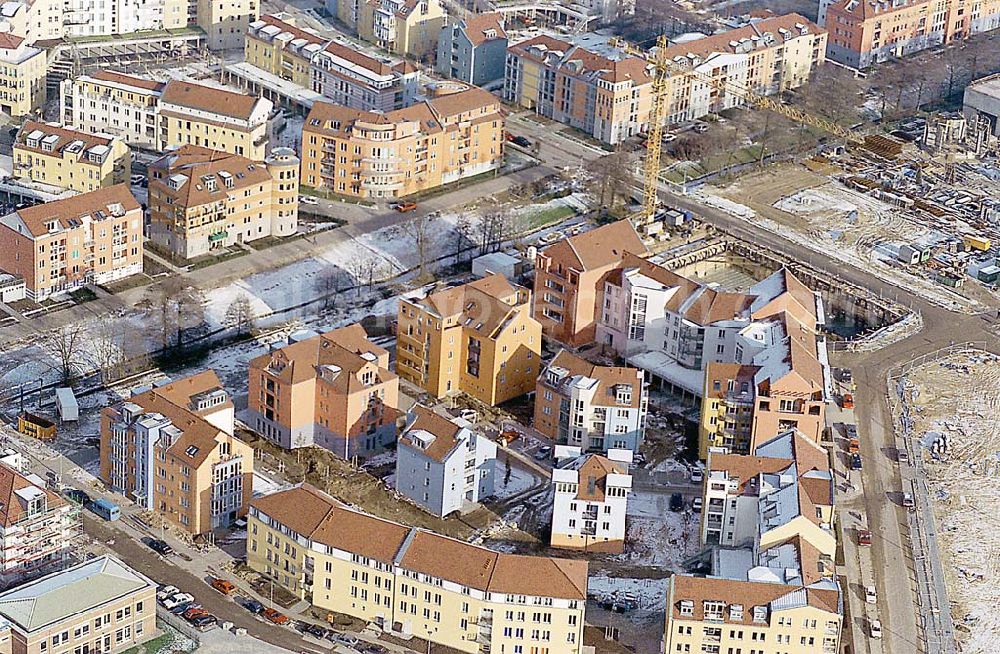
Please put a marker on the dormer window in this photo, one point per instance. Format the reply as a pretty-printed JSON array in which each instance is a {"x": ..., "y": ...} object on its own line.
[
  {"x": 623, "y": 394},
  {"x": 714, "y": 609},
  {"x": 760, "y": 614},
  {"x": 736, "y": 612},
  {"x": 687, "y": 607}
]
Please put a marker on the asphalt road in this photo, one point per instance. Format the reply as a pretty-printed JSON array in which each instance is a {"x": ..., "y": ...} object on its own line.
[{"x": 894, "y": 573}]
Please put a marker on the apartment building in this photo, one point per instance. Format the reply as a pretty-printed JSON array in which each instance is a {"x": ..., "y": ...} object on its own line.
[
  {"x": 374, "y": 155},
  {"x": 113, "y": 104},
  {"x": 53, "y": 20},
  {"x": 706, "y": 614},
  {"x": 414, "y": 582},
  {"x": 772, "y": 582},
  {"x": 403, "y": 27},
  {"x": 478, "y": 339},
  {"x": 473, "y": 49},
  {"x": 210, "y": 117},
  {"x": 334, "y": 390},
  {"x": 71, "y": 159},
  {"x": 225, "y": 23},
  {"x": 596, "y": 88},
  {"x": 442, "y": 464},
  {"x": 202, "y": 200},
  {"x": 867, "y": 32},
  {"x": 768, "y": 55},
  {"x": 171, "y": 450},
  {"x": 274, "y": 44},
  {"x": 59, "y": 246},
  {"x": 22, "y": 76},
  {"x": 595, "y": 408},
  {"x": 100, "y": 605},
  {"x": 38, "y": 528},
  {"x": 359, "y": 81},
  {"x": 590, "y": 499},
  {"x": 755, "y": 357},
  {"x": 568, "y": 279},
  {"x": 790, "y": 472}
]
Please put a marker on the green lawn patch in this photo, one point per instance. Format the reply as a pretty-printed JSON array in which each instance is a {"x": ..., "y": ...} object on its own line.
[{"x": 548, "y": 216}]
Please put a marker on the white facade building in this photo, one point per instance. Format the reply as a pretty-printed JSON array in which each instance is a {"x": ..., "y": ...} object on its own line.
[
  {"x": 443, "y": 465},
  {"x": 590, "y": 499},
  {"x": 595, "y": 408},
  {"x": 115, "y": 104}
]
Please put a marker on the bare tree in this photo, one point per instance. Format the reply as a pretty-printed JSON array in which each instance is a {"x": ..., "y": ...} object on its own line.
[
  {"x": 464, "y": 232},
  {"x": 176, "y": 305},
  {"x": 364, "y": 269},
  {"x": 329, "y": 283},
  {"x": 65, "y": 345},
  {"x": 108, "y": 339},
  {"x": 240, "y": 314},
  {"x": 421, "y": 230}
]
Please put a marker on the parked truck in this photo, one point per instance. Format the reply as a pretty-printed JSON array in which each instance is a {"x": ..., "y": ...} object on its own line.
[{"x": 975, "y": 242}]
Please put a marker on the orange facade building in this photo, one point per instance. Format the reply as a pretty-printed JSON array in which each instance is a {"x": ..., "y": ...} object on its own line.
[
  {"x": 866, "y": 32},
  {"x": 334, "y": 390},
  {"x": 569, "y": 275},
  {"x": 59, "y": 246},
  {"x": 390, "y": 155}
]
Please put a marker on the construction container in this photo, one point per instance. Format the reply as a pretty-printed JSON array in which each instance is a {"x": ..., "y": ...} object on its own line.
[
  {"x": 973, "y": 242},
  {"x": 989, "y": 274},
  {"x": 69, "y": 410},
  {"x": 909, "y": 254},
  {"x": 36, "y": 426}
]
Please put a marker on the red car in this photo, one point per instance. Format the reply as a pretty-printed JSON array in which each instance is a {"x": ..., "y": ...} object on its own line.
[
  {"x": 864, "y": 537},
  {"x": 191, "y": 614},
  {"x": 277, "y": 617}
]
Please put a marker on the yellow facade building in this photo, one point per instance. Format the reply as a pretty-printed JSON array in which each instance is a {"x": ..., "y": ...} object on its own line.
[
  {"x": 405, "y": 27},
  {"x": 68, "y": 158},
  {"x": 478, "y": 339},
  {"x": 225, "y": 23},
  {"x": 395, "y": 154},
  {"x": 414, "y": 582},
  {"x": 210, "y": 117},
  {"x": 22, "y": 76},
  {"x": 202, "y": 200},
  {"x": 277, "y": 46}
]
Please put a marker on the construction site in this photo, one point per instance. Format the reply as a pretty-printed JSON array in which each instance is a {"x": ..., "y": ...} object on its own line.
[
  {"x": 924, "y": 217},
  {"x": 953, "y": 432}
]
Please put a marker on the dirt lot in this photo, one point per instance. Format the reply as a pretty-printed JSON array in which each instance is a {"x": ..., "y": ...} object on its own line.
[
  {"x": 960, "y": 399},
  {"x": 761, "y": 190},
  {"x": 337, "y": 477}
]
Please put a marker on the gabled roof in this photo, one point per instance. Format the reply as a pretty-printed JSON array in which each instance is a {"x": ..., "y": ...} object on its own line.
[
  {"x": 201, "y": 165},
  {"x": 11, "y": 508},
  {"x": 103, "y": 200},
  {"x": 581, "y": 63},
  {"x": 64, "y": 137},
  {"x": 484, "y": 305},
  {"x": 479, "y": 27},
  {"x": 210, "y": 99},
  {"x": 321, "y": 518},
  {"x": 751, "y": 35},
  {"x": 607, "y": 378},
  {"x": 128, "y": 80},
  {"x": 598, "y": 248},
  {"x": 592, "y": 475},
  {"x": 746, "y": 594},
  {"x": 445, "y": 434}
]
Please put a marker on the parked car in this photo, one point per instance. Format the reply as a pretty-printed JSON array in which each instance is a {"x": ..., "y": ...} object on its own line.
[
  {"x": 137, "y": 179},
  {"x": 193, "y": 613},
  {"x": 676, "y": 502},
  {"x": 347, "y": 640},
  {"x": 161, "y": 547},
  {"x": 205, "y": 621},
  {"x": 405, "y": 207},
  {"x": 847, "y": 401},
  {"x": 181, "y": 608},
  {"x": 176, "y": 600},
  {"x": 223, "y": 586},
  {"x": 875, "y": 628},
  {"x": 668, "y": 137},
  {"x": 106, "y": 509},
  {"x": 166, "y": 591},
  {"x": 543, "y": 453},
  {"x": 697, "y": 476},
  {"x": 275, "y": 616},
  {"x": 521, "y": 141},
  {"x": 696, "y": 505},
  {"x": 854, "y": 446},
  {"x": 855, "y": 462},
  {"x": 639, "y": 459},
  {"x": 901, "y": 455},
  {"x": 315, "y": 631},
  {"x": 252, "y": 605},
  {"x": 870, "y": 595},
  {"x": 851, "y": 430},
  {"x": 864, "y": 537},
  {"x": 908, "y": 500},
  {"x": 701, "y": 128}
]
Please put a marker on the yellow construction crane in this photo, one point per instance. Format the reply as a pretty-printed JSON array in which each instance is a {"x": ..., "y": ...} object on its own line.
[{"x": 664, "y": 67}]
